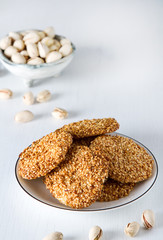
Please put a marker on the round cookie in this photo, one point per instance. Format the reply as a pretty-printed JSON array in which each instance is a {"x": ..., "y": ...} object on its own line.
[
  {"x": 127, "y": 161},
  {"x": 94, "y": 127},
  {"x": 44, "y": 154},
  {"x": 113, "y": 190},
  {"x": 78, "y": 181}
]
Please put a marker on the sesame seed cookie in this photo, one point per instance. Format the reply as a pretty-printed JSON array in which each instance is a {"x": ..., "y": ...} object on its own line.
[
  {"x": 113, "y": 190},
  {"x": 77, "y": 182},
  {"x": 94, "y": 127},
  {"x": 127, "y": 161},
  {"x": 44, "y": 154}
]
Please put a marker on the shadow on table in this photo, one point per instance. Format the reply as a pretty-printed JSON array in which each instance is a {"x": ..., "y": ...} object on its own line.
[
  {"x": 3, "y": 71},
  {"x": 86, "y": 61}
]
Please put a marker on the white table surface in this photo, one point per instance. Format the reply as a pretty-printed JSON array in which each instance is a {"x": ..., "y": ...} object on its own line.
[{"x": 117, "y": 72}]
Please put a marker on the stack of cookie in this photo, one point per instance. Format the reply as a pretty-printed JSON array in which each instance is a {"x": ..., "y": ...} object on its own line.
[{"x": 80, "y": 164}]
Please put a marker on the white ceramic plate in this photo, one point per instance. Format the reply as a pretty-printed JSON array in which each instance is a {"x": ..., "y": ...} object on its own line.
[{"x": 36, "y": 189}]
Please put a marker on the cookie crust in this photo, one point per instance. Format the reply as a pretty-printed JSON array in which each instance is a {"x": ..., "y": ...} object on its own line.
[
  {"x": 89, "y": 128},
  {"x": 44, "y": 154},
  {"x": 78, "y": 181},
  {"x": 127, "y": 161},
  {"x": 113, "y": 190}
]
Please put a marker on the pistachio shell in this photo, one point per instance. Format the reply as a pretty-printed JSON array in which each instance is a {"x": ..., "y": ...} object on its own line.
[
  {"x": 5, "y": 93},
  {"x": 28, "y": 98},
  {"x": 148, "y": 219},
  {"x": 95, "y": 233},
  {"x": 59, "y": 113},
  {"x": 43, "y": 96},
  {"x": 54, "y": 236},
  {"x": 132, "y": 229}
]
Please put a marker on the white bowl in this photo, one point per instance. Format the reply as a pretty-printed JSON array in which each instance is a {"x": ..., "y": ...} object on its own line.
[
  {"x": 31, "y": 72},
  {"x": 37, "y": 189}
]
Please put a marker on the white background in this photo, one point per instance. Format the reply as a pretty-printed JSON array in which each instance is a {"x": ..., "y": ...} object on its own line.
[{"x": 117, "y": 72}]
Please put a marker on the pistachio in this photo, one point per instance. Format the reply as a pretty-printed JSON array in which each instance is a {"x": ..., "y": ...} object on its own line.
[
  {"x": 48, "y": 41},
  {"x": 54, "y": 236},
  {"x": 53, "y": 56},
  {"x": 32, "y": 50},
  {"x": 19, "y": 44},
  {"x": 57, "y": 44},
  {"x": 148, "y": 219},
  {"x": 50, "y": 32},
  {"x": 66, "y": 50},
  {"x": 31, "y": 37},
  {"x": 15, "y": 35},
  {"x": 43, "y": 49},
  {"x": 43, "y": 96},
  {"x": 53, "y": 48},
  {"x": 28, "y": 98},
  {"x": 64, "y": 41},
  {"x": 95, "y": 233},
  {"x": 25, "y": 54},
  {"x": 5, "y": 93},
  {"x": 35, "y": 61},
  {"x": 24, "y": 33},
  {"x": 132, "y": 229},
  {"x": 18, "y": 58},
  {"x": 59, "y": 113},
  {"x": 24, "y": 116},
  {"x": 42, "y": 35},
  {"x": 5, "y": 43},
  {"x": 10, "y": 51}
]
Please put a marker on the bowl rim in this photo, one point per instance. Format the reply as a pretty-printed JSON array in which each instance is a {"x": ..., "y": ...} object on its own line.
[
  {"x": 102, "y": 209},
  {"x": 4, "y": 59}
]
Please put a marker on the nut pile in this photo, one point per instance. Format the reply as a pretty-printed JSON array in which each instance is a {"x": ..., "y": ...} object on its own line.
[
  {"x": 93, "y": 166},
  {"x": 131, "y": 230},
  {"x": 29, "y": 99},
  {"x": 148, "y": 220},
  {"x": 35, "y": 47}
]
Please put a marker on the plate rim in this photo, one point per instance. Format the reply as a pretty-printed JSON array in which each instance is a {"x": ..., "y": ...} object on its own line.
[{"x": 102, "y": 209}]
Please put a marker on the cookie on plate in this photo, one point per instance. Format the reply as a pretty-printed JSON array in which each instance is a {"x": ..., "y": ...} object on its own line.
[
  {"x": 127, "y": 161},
  {"x": 44, "y": 154},
  {"x": 94, "y": 127},
  {"x": 113, "y": 190},
  {"x": 77, "y": 182}
]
